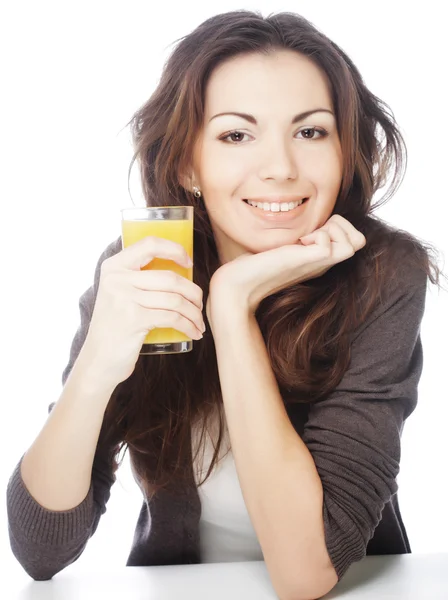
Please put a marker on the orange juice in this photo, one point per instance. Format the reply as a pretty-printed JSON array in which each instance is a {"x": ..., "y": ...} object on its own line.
[{"x": 180, "y": 231}]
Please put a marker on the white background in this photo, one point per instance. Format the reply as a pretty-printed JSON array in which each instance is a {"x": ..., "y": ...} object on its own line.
[{"x": 72, "y": 75}]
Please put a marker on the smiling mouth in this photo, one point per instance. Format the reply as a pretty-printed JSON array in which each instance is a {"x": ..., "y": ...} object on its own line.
[{"x": 276, "y": 207}]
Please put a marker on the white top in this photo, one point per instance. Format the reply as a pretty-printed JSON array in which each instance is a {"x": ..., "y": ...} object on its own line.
[{"x": 225, "y": 529}]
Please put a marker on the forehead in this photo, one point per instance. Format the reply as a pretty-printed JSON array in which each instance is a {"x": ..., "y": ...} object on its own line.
[{"x": 251, "y": 80}]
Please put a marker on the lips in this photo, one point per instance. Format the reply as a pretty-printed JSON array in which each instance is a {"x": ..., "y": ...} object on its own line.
[
  {"x": 300, "y": 203},
  {"x": 276, "y": 199},
  {"x": 277, "y": 217}
]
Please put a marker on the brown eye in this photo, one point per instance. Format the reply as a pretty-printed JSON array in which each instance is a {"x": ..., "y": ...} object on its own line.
[
  {"x": 322, "y": 133},
  {"x": 307, "y": 132},
  {"x": 234, "y": 137}
]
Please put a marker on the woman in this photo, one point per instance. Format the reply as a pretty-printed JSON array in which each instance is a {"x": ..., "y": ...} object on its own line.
[{"x": 298, "y": 390}]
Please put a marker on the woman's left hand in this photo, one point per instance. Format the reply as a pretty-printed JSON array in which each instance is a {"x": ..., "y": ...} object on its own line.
[{"x": 252, "y": 277}]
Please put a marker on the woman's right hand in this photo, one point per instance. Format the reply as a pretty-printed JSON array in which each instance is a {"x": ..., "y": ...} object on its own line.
[{"x": 131, "y": 302}]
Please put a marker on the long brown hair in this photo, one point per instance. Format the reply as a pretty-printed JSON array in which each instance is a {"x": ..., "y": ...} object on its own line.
[{"x": 307, "y": 327}]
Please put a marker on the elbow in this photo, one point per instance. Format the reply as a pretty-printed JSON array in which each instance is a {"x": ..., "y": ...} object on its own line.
[
  {"x": 39, "y": 575},
  {"x": 39, "y": 570},
  {"x": 310, "y": 589},
  {"x": 43, "y": 570},
  {"x": 43, "y": 564}
]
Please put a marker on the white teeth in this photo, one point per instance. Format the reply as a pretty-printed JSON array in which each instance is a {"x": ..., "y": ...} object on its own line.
[{"x": 275, "y": 206}]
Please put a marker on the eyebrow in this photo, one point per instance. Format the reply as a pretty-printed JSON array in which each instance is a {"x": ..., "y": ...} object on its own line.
[{"x": 296, "y": 119}]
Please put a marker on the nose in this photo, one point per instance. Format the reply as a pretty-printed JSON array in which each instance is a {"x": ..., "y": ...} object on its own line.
[{"x": 278, "y": 162}]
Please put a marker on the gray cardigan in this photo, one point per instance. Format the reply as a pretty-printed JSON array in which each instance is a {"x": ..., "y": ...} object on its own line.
[{"x": 353, "y": 436}]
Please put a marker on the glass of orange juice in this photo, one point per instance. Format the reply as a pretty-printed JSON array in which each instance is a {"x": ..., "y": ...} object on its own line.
[{"x": 173, "y": 223}]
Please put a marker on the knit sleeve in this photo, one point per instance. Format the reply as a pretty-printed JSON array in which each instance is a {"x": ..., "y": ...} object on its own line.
[
  {"x": 86, "y": 306},
  {"x": 354, "y": 434},
  {"x": 45, "y": 541}
]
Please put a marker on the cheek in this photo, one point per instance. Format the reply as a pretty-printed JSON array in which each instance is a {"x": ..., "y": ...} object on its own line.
[
  {"x": 222, "y": 170},
  {"x": 324, "y": 170}
]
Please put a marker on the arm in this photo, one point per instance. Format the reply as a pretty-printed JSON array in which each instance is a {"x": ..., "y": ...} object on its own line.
[
  {"x": 331, "y": 492},
  {"x": 59, "y": 489},
  {"x": 279, "y": 481}
]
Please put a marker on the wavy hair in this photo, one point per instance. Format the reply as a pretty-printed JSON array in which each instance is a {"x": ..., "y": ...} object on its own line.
[{"x": 307, "y": 327}]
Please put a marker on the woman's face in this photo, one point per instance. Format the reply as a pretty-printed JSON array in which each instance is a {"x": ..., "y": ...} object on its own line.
[{"x": 270, "y": 155}]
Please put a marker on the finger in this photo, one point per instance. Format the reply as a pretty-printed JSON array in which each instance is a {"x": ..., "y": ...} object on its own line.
[
  {"x": 340, "y": 244},
  {"x": 337, "y": 233},
  {"x": 335, "y": 230},
  {"x": 141, "y": 253},
  {"x": 319, "y": 244},
  {"x": 318, "y": 236},
  {"x": 172, "y": 302},
  {"x": 167, "y": 281},
  {"x": 323, "y": 237},
  {"x": 168, "y": 318},
  {"x": 357, "y": 239},
  {"x": 334, "y": 239},
  {"x": 343, "y": 248}
]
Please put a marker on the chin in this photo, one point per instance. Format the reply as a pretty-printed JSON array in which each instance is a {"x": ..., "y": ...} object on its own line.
[{"x": 277, "y": 241}]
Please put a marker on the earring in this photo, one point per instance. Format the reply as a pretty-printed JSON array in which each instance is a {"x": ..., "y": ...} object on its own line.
[{"x": 197, "y": 192}]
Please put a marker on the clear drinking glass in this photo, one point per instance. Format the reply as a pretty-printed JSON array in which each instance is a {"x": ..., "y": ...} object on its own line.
[{"x": 173, "y": 223}]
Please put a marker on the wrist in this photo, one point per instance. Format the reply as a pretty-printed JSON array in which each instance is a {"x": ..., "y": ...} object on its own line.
[
  {"x": 225, "y": 307},
  {"x": 94, "y": 378}
]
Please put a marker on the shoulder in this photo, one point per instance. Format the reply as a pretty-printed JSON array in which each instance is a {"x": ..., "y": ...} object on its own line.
[
  {"x": 396, "y": 258},
  {"x": 393, "y": 271}
]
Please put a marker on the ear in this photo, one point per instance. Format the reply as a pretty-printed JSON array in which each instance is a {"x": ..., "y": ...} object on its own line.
[
  {"x": 187, "y": 179},
  {"x": 185, "y": 182}
]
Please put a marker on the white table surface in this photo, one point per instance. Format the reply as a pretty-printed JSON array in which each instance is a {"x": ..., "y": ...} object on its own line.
[{"x": 411, "y": 577}]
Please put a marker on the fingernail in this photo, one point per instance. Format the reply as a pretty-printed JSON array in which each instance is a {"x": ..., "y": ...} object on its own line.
[{"x": 189, "y": 262}]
